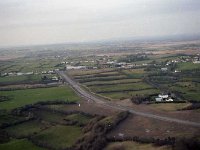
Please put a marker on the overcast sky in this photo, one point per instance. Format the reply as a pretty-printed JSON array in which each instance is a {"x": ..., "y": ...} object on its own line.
[{"x": 24, "y": 22}]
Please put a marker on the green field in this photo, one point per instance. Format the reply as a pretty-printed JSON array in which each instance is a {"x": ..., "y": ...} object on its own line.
[
  {"x": 81, "y": 119},
  {"x": 25, "y": 79},
  {"x": 189, "y": 90},
  {"x": 134, "y": 73},
  {"x": 31, "y": 96},
  {"x": 19, "y": 144},
  {"x": 59, "y": 137},
  {"x": 120, "y": 87},
  {"x": 25, "y": 129},
  {"x": 188, "y": 66},
  {"x": 124, "y": 95},
  {"x": 21, "y": 79},
  {"x": 51, "y": 117}
]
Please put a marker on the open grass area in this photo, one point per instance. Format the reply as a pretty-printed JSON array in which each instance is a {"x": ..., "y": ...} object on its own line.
[
  {"x": 19, "y": 144},
  {"x": 133, "y": 146},
  {"x": 21, "y": 79},
  {"x": 59, "y": 137},
  {"x": 25, "y": 129},
  {"x": 31, "y": 96}
]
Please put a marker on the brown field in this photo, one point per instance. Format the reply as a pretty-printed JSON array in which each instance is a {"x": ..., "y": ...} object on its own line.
[
  {"x": 146, "y": 127},
  {"x": 128, "y": 145}
]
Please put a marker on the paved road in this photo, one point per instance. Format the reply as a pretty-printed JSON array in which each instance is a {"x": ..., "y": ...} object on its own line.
[{"x": 89, "y": 96}]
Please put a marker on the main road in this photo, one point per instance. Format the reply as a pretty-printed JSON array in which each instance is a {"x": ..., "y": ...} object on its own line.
[{"x": 89, "y": 96}]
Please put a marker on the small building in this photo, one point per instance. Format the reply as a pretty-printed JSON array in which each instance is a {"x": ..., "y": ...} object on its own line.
[
  {"x": 158, "y": 99},
  {"x": 68, "y": 67},
  {"x": 164, "y": 69},
  {"x": 54, "y": 78},
  {"x": 177, "y": 71}
]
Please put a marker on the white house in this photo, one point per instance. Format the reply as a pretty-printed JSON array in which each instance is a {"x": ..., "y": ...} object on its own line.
[
  {"x": 163, "y": 96},
  {"x": 196, "y": 62}
]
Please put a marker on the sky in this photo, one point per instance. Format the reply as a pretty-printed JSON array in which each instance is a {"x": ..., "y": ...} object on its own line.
[{"x": 31, "y": 22}]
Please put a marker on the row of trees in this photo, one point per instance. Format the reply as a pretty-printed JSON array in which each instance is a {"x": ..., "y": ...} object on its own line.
[{"x": 95, "y": 132}]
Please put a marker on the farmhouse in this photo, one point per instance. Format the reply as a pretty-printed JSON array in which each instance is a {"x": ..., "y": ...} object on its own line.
[
  {"x": 158, "y": 99},
  {"x": 163, "y": 96}
]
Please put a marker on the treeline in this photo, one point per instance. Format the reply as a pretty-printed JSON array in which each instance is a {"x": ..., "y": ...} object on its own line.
[
  {"x": 117, "y": 83},
  {"x": 95, "y": 132},
  {"x": 191, "y": 107},
  {"x": 5, "y": 125},
  {"x": 96, "y": 75},
  {"x": 20, "y": 110},
  {"x": 128, "y": 90},
  {"x": 138, "y": 99},
  {"x": 156, "y": 142},
  {"x": 103, "y": 79},
  {"x": 28, "y": 87},
  {"x": 176, "y": 144},
  {"x": 67, "y": 121},
  {"x": 134, "y": 58}
]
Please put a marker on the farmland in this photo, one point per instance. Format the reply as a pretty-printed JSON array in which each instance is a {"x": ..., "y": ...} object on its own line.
[
  {"x": 37, "y": 112},
  {"x": 18, "y": 144},
  {"x": 116, "y": 84}
]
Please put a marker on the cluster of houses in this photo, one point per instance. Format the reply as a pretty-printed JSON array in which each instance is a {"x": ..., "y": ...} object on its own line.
[
  {"x": 163, "y": 98},
  {"x": 54, "y": 78},
  {"x": 195, "y": 59},
  {"x": 17, "y": 73}
]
